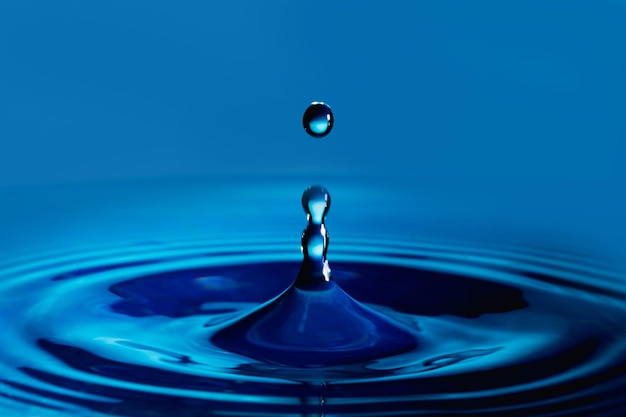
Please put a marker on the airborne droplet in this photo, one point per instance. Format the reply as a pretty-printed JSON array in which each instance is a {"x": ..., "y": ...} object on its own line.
[{"x": 318, "y": 119}]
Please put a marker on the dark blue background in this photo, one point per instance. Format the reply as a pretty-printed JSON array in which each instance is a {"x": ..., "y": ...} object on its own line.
[{"x": 514, "y": 106}]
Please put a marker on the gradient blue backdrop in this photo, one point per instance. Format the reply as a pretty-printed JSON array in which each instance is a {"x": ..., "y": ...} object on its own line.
[{"x": 518, "y": 105}]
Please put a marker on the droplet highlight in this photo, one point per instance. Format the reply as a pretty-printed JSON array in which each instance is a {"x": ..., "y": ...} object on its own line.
[{"x": 318, "y": 119}]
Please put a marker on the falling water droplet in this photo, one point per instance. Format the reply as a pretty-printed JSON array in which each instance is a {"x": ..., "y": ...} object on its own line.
[{"x": 318, "y": 119}]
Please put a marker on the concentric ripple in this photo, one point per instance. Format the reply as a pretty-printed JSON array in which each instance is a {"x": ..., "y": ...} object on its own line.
[{"x": 126, "y": 331}]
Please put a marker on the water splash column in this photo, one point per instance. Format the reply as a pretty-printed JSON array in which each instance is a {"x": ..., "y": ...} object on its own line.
[{"x": 315, "y": 271}]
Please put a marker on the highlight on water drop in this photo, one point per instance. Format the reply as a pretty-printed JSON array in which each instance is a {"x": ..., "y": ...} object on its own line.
[{"x": 318, "y": 119}]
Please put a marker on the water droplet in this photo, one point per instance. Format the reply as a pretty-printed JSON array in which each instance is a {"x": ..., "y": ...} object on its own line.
[
  {"x": 316, "y": 203},
  {"x": 318, "y": 119}
]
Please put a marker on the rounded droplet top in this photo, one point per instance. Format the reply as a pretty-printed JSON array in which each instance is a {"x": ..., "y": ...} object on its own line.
[
  {"x": 316, "y": 203},
  {"x": 318, "y": 119}
]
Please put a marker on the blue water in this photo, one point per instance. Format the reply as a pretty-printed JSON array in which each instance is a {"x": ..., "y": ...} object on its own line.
[{"x": 103, "y": 323}]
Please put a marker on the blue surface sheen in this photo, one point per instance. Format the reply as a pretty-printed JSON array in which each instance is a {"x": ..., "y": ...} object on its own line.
[{"x": 119, "y": 317}]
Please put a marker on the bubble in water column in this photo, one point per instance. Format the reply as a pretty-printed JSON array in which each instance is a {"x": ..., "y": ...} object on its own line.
[{"x": 318, "y": 119}]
